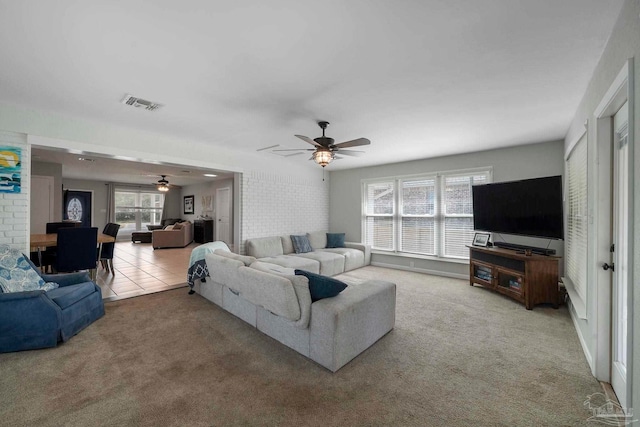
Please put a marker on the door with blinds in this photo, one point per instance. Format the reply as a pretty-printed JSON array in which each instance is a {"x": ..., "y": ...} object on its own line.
[{"x": 620, "y": 256}]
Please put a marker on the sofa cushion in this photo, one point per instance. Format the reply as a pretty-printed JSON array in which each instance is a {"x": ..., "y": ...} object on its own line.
[
  {"x": 322, "y": 287},
  {"x": 169, "y": 227},
  {"x": 268, "y": 267},
  {"x": 69, "y": 295},
  {"x": 335, "y": 240},
  {"x": 301, "y": 244},
  {"x": 17, "y": 274},
  {"x": 293, "y": 261},
  {"x": 246, "y": 260},
  {"x": 178, "y": 226},
  {"x": 265, "y": 247},
  {"x": 330, "y": 263},
  {"x": 223, "y": 270},
  {"x": 353, "y": 258},
  {"x": 273, "y": 292},
  {"x": 318, "y": 239},
  {"x": 287, "y": 245}
]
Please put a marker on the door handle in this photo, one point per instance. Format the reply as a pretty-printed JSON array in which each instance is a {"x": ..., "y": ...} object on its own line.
[{"x": 606, "y": 266}]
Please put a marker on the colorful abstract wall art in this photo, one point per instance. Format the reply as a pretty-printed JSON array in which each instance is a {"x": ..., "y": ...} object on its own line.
[{"x": 10, "y": 167}]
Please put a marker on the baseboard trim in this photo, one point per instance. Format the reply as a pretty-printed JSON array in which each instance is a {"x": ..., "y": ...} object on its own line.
[
  {"x": 583, "y": 343},
  {"x": 422, "y": 270}
]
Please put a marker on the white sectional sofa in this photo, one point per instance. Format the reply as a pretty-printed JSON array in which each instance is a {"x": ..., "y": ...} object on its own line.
[
  {"x": 271, "y": 298},
  {"x": 279, "y": 250}
]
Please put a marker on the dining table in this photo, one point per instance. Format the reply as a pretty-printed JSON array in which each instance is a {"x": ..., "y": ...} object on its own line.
[{"x": 38, "y": 242}]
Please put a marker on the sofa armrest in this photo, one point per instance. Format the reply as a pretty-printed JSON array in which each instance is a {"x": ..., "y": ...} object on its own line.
[
  {"x": 361, "y": 247},
  {"x": 67, "y": 279},
  {"x": 344, "y": 326}
]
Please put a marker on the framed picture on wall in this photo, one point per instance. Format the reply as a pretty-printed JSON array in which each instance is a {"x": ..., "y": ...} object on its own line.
[{"x": 188, "y": 205}]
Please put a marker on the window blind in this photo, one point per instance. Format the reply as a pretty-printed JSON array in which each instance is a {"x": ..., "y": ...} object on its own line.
[
  {"x": 418, "y": 216},
  {"x": 426, "y": 215},
  {"x": 577, "y": 219},
  {"x": 458, "y": 212},
  {"x": 379, "y": 211}
]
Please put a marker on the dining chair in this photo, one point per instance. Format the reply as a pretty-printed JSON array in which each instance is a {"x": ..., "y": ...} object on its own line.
[
  {"x": 106, "y": 256},
  {"x": 49, "y": 254},
  {"x": 76, "y": 249}
]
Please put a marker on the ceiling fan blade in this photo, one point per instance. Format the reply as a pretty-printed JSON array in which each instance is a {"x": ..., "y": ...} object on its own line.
[
  {"x": 296, "y": 149},
  {"x": 354, "y": 143},
  {"x": 337, "y": 158},
  {"x": 350, "y": 152},
  {"x": 309, "y": 140}
]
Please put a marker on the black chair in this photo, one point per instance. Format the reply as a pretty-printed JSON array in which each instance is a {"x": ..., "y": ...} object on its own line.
[
  {"x": 76, "y": 249},
  {"x": 106, "y": 255},
  {"x": 48, "y": 255}
]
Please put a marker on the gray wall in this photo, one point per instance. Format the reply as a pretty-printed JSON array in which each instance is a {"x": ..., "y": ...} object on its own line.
[
  {"x": 624, "y": 43},
  {"x": 207, "y": 189},
  {"x": 173, "y": 203},
  {"x": 54, "y": 170},
  {"x": 527, "y": 161}
]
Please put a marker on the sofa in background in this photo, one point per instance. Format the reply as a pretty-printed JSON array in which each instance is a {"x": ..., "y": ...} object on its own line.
[
  {"x": 177, "y": 235},
  {"x": 330, "y": 331},
  {"x": 280, "y": 250},
  {"x": 47, "y": 314}
]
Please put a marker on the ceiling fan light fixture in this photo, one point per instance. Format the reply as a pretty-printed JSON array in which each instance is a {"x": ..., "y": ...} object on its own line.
[
  {"x": 163, "y": 187},
  {"x": 322, "y": 157}
]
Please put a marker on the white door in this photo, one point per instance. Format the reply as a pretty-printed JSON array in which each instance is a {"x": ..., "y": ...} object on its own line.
[
  {"x": 41, "y": 208},
  {"x": 223, "y": 215},
  {"x": 620, "y": 256}
]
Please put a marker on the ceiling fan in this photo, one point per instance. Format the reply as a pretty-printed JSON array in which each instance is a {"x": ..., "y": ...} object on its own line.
[
  {"x": 163, "y": 184},
  {"x": 325, "y": 148}
]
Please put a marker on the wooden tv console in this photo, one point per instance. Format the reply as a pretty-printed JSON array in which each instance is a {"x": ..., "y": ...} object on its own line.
[{"x": 529, "y": 279}]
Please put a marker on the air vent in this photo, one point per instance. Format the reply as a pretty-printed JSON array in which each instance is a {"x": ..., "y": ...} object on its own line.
[{"x": 140, "y": 103}]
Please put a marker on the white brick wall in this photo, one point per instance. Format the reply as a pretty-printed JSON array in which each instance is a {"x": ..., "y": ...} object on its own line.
[
  {"x": 274, "y": 204},
  {"x": 14, "y": 208}
]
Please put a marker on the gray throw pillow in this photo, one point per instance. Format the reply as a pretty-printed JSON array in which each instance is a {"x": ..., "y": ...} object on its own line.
[{"x": 301, "y": 244}]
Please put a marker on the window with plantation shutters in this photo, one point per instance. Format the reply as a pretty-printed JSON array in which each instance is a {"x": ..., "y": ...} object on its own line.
[
  {"x": 427, "y": 215},
  {"x": 577, "y": 218}
]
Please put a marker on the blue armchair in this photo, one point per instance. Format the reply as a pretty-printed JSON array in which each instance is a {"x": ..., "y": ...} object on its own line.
[{"x": 42, "y": 318}]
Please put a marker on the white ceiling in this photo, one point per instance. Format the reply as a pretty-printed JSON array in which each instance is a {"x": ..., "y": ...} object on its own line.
[{"x": 419, "y": 78}]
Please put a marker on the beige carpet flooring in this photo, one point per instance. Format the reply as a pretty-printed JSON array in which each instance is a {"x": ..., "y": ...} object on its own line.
[{"x": 458, "y": 356}]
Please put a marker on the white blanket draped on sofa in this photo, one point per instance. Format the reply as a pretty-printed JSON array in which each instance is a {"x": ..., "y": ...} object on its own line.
[{"x": 197, "y": 265}]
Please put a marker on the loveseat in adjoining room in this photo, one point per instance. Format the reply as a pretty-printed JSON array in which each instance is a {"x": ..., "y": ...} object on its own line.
[{"x": 177, "y": 235}]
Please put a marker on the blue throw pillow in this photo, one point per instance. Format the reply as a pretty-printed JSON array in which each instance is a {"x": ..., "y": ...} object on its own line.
[
  {"x": 17, "y": 275},
  {"x": 335, "y": 240},
  {"x": 322, "y": 286},
  {"x": 301, "y": 244}
]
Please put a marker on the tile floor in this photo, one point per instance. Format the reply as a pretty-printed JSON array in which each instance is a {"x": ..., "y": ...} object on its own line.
[{"x": 142, "y": 270}]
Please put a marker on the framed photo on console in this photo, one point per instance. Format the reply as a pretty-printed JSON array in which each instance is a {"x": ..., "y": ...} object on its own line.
[
  {"x": 481, "y": 239},
  {"x": 188, "y": 205}
]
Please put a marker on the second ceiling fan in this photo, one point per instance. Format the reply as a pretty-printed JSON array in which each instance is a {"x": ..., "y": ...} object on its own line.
[{"x": 326, "y": 149}]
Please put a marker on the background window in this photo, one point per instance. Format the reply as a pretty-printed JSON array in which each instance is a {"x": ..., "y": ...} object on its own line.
[
  {"x": 429, "y": 215},
  {"x": 134, "y": 210}
]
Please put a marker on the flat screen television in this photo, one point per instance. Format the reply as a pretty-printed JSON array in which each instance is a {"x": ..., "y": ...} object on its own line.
[{"x": 530, "y": 207}]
